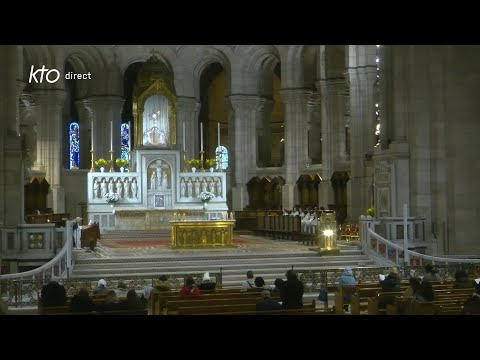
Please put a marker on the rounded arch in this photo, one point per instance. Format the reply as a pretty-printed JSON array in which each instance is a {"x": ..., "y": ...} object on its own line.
[
  {"x": 129, "y": 54},
  {"x": 301, "y": 70}
]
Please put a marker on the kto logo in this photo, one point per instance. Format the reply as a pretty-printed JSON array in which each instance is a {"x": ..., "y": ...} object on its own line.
[{"x": 42, "y": 71}]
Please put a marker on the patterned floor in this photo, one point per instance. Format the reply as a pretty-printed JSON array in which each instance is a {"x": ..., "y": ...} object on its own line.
[{"x": 107, "y": 248}]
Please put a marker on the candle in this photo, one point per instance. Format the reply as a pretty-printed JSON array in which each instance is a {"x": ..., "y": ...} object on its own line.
[
  {"x": 218, "y": 139},
  {"x": 184, "y": 136},
  {"x": 91, "y": 132},
  {"x": 111, "y": 135},
  {"x": 201, "y": 136}
]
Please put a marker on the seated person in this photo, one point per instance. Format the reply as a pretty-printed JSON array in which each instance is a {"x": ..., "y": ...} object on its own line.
[
  {"x": 462, "y": 281},
  {"x": 390, "y": 284},
  {"x": 189, "y": 289},
  {"x": 121, "y": 290},
  {"x": 163, "y": 285},
  {"x": 431, "y": 274},
  {"x": 278, "y": 286},
  {"x": 259, "y": 284},
  {"x": 82, "y": 302},
  {"x": 133, "y": 302},
  {"x": 53, "y": 294},
  {"x": 292, "y": 291},
  {"x": 101, "y": 288},
  {"x": 267, "y": 303},
  {"x": 472, "y": 305},
  {"x": 111, "y": 302},
  {"x": 249, "y": 283},
  {"x": 207, "y": 283}
]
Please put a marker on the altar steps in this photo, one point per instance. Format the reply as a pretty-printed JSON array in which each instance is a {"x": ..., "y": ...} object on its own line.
[{"x": 233, "y": 267}]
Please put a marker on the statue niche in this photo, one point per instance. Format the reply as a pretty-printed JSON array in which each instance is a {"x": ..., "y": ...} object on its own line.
[
  {"x": 154, "y": 106},
  {"x": 155, "y": 122}
]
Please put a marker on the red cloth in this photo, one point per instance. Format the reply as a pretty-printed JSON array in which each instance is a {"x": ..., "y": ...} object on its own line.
[{"x": 186, "y": 291}]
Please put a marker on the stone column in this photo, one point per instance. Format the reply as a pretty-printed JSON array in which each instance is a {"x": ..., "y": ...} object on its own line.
[
  {"x": 104, "y": 109},
  {"x": 51, "y": 132},
  {"x": 85, "y": 122},
  {"x": 296, "y": 135},
  {"x": 243, "y": 145},
  {"x": 187, "y": 113},
  {"x": 314, "y": 111},
  {"x": 11, "y": 169},
  {"x": 362, "y": 134},
  {"x": 263, "y": 122},
  {"x": 333, "y": 134}
]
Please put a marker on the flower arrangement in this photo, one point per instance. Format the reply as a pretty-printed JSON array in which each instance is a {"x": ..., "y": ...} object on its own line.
[
  {"x": 210, "y": 163},
  {"x": 206, "y": 196},
  {"x": 111, "y": 198},
  {"x": 102, "y": 162},
  {"x": 193, "y": 163},
  {"x": 371, "y": 211},
  {"x": 121, "y": 162}
]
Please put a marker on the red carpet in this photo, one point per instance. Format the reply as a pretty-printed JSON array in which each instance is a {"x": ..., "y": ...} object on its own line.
[{"x": 160, "y": 243}]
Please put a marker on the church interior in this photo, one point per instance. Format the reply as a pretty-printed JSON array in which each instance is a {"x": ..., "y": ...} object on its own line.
[{"x": 132, "y": 162}]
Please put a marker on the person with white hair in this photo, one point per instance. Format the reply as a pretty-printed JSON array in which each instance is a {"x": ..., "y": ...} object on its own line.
[
  {"x": 101, "y": 288},
  {"x": 207, "y": 283}
]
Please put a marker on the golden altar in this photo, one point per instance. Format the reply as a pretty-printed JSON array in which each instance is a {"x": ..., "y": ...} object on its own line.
[{"x": 201, "y": 234}]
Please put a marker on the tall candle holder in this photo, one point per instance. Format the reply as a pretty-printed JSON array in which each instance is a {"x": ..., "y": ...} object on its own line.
[
  {"x": 111, "y": 161},
  {"x": 219, "y": 161},
  {"x": 201, "y": 161},
  {"x": 92, "y": 168},
  {"x": 184, "y": 161}
]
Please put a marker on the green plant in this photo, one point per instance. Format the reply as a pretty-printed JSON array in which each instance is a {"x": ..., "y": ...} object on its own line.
[
  {"x": 102, "y": 162},
  {"x": 193, "y": 163},
  {"x": 371, "y": 211},
  {"x": 121, "y": 162},
  {"x": 210, "y": 163}
]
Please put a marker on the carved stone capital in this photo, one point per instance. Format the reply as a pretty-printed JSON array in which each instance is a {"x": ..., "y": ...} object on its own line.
[
  {"x": 188, "y": 104},
  {"x": 295, "y": 96},
  {"x": 49, "y": 97},
  {"x": 245, "y": 102}
]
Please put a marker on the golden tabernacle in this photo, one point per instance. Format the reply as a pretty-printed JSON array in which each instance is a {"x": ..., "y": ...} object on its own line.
[{"x": 202, "y": 234}]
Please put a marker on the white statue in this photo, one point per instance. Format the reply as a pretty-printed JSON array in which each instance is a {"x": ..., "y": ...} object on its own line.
[
  {"x": 120, "y": 188},
  {"x": 126, "y": 188},
  {"x": 189, "y": 187},
  {"x": 96, "y": 189},
  {"x": 153, "y": 180},
  {"x": 134, "y": 188},
  {"x": 182, "y": 187},
  {"x": 164, "y": 180},
  {"x": 197, "y": 187},
  {"x": 110, "y": 187},
  {"x": 211, "y": 186},
  {"x": 219, "y": 187},
  {"x": 103, "y": 187},
  {"x": 204, "y": 185}
]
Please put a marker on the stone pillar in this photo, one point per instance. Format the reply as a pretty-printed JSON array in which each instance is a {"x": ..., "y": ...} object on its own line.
[
  {"x": 264, "y": 129},
  {"x": 243, "y": 145},
  {"x": 333, "y": 134},
  {"x": 314, "y": 111},
  {"x": 296, "y": 135},
  {"x": 187, "y": 113},
  {"x": 11, "y": 169},
  {"x": 103, "y": 109},
  {"x": 362, "y": 134},
  {"x": 51, "y": 132},
  {"x": 85, "y": 122}
]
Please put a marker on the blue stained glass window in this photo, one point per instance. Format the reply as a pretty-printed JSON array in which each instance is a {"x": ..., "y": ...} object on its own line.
[
  {"x": 222, "y": 157},
  {"x": 125, "y": 141},
  {"x": 74, "y": 138}
]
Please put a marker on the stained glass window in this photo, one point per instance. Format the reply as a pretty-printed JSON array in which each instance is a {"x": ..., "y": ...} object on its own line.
[
  {"x": 74, "y": 138},
  {"x": 125, "y": 141},
  {"x": 222, "y": 157}
]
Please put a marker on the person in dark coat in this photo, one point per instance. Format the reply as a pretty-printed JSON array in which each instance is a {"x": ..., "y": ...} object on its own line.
[
  {"x": 82, "y": 302},
  {"x": 462, "y": 281},
  {"x": 53, "y": 294},
  {"x": 267, "y": 303},
  {"x": 291, "y": 292},
  {"x": 472, "y": 305},
  {"x": 207, "y": 283}
]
